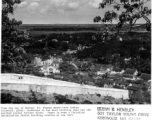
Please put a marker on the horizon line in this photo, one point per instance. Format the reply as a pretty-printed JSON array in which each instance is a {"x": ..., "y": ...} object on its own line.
[{"x": 66, "y": 23}]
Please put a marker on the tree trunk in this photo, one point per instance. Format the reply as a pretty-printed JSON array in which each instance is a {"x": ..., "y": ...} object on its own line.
[{"x": 130, "y": 29}]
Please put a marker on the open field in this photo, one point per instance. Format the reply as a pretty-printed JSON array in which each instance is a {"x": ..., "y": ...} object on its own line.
[
  {"x": 46, "y": 29},
  {"x": 37, "y": 33}
]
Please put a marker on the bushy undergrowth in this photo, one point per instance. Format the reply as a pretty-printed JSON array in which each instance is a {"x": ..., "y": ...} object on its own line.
[{"x": 15, "y": 97}]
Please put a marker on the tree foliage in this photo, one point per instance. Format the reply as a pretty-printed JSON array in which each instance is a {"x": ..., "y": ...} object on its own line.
[
  {"x": 130, "y": 12},
  {"x": 66, "y": 67},
  {"x": 11, "y": 50}
]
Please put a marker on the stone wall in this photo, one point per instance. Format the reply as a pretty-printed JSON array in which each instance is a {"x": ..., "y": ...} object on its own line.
[{"x": 21, "y": 82}]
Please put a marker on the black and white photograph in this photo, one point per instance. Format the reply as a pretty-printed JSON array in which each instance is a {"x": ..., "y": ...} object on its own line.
[{"x": 76, "y": 52}]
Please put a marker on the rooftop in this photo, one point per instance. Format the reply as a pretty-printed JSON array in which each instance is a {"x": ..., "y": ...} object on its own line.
[
  {"x": 117, "y": 69},
  {"x": 127, "y": 76},
  {"x": 122, "y": 83},
  {"x": 145, "y": 76},
  {"x": 133, "y": 88},
  {"x": 130, "y": 71}
]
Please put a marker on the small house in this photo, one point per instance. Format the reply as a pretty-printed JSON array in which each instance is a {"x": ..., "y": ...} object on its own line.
[
  {"x": 116, "y": 71},
  {"x": 129, "y": 77},
  {"x": 130, "y": 71},
  {"x": 145, "y": 76}
]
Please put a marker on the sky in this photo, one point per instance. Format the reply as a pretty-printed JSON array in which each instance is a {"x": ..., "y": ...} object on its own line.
[{"x": 59, "y": 11}]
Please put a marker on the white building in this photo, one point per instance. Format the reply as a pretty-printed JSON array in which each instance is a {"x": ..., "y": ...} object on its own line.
[
  {"x": 48, "y": 62},
  {"x": 49, "y": 66},
  {"x": 116, "y": 71},
  {"x": 49, "y": 70}
]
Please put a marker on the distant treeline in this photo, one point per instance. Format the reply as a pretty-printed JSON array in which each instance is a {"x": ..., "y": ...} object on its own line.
[
  {"x": 70, "y": 27},
  {"x": 65, "y": 29}
]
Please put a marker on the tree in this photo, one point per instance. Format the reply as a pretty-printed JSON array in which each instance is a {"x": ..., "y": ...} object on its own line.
[
  {"x": 65, "y": 46},
  {"x": 11, "y": 51},
  {"x": 130, "y": 12},
  {"x": 66, "y": 67}
]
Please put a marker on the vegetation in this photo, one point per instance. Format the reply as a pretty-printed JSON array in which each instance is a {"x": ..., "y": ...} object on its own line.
[
  {"x": 130, "y": 12},
  {"x": 38, "y": 98},
  {"x": 12, "y": 37},
  {"x": 18, "y": 51}
]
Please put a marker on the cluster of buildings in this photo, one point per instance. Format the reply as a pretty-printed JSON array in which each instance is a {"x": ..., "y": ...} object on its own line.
[
  {"x": 128, "y": 79},
  {"x": 48, "y": 65},
  {"x": 111, "y": 76}
]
